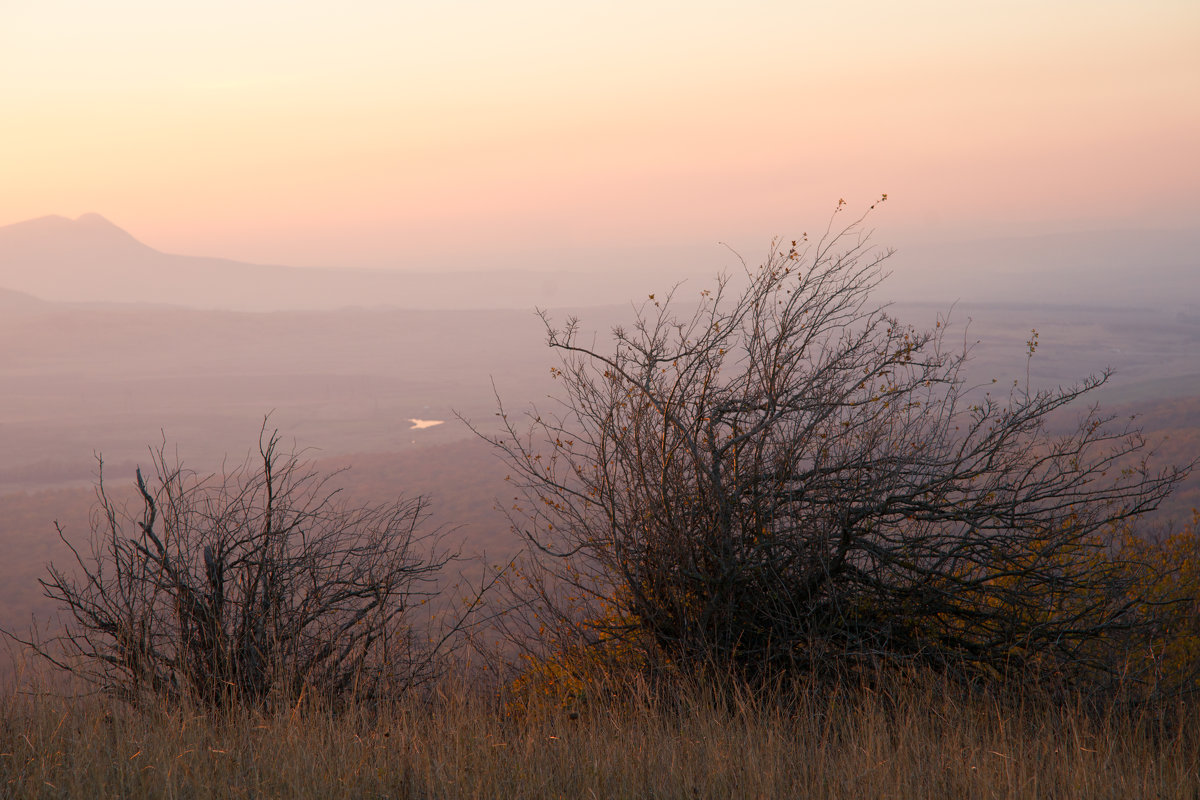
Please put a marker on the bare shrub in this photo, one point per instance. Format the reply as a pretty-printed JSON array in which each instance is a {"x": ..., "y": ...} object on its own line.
[
  {"x": 788, "y": 478},
  {"x": 253, "y": 586}
]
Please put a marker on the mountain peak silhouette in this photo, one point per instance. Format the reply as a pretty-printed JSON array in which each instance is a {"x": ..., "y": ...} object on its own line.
[
  {"x": 96, "y": 221},
  {"x": 57, "y": 233}
]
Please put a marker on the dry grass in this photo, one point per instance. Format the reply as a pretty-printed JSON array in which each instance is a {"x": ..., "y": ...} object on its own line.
[{"x": 913, "y": 742}]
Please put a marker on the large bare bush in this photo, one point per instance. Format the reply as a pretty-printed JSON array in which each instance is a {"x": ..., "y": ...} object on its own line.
[
  {"x": 786, "y": 476},
  {"x": 248, "y": 587}
]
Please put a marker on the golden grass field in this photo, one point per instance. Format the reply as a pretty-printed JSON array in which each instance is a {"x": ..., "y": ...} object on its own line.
[{"x": 919, "y": 739}]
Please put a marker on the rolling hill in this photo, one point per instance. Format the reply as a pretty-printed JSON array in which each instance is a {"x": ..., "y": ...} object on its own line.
[{"x": 90, "y": 259}]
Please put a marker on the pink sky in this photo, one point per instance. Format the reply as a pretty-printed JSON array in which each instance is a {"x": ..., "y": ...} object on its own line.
[{"x": 389, "y": 133}]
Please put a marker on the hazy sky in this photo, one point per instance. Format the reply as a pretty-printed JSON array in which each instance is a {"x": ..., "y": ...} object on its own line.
[{"x": 391, "y": 132}]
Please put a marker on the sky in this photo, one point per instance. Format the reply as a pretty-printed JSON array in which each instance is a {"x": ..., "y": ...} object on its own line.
[{"x": 472, "y": 134}]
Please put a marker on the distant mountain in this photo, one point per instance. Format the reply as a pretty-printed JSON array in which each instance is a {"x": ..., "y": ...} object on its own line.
[
  {"x": 90, "y": 259},
  {"x": 57, "y": 237},
  {"x": 16, "y": 302}
]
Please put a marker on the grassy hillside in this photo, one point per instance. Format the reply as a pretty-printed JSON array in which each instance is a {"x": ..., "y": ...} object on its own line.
[
  {"x": 347, "y": 383},
  {"x": 910, "y": 741}
]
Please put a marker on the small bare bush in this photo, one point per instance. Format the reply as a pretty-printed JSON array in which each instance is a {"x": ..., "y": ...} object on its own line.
[{"x": 248, "y": 587}]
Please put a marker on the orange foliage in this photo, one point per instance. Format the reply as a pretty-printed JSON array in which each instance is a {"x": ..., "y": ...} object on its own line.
[{"x": 1169, "y": 584}]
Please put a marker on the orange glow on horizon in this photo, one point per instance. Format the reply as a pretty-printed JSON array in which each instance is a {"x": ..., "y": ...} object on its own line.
[{"x": 381, "y": 135}]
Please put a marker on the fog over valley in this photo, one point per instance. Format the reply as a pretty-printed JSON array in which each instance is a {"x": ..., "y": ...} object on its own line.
[
  {"x": 109, "y": 348},
  {"x": 90, "y": 259}
]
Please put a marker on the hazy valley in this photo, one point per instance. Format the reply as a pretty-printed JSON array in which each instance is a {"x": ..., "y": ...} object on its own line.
[{"x": 343, "y": 380}]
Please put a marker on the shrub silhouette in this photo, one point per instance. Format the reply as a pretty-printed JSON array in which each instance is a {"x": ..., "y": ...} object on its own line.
[
  {"x": 788, "y": 478},
  {"x": 250, "y": 587}
]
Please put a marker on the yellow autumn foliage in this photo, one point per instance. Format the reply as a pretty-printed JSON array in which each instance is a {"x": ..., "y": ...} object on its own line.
[{"x": 1168, "y": 587}]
